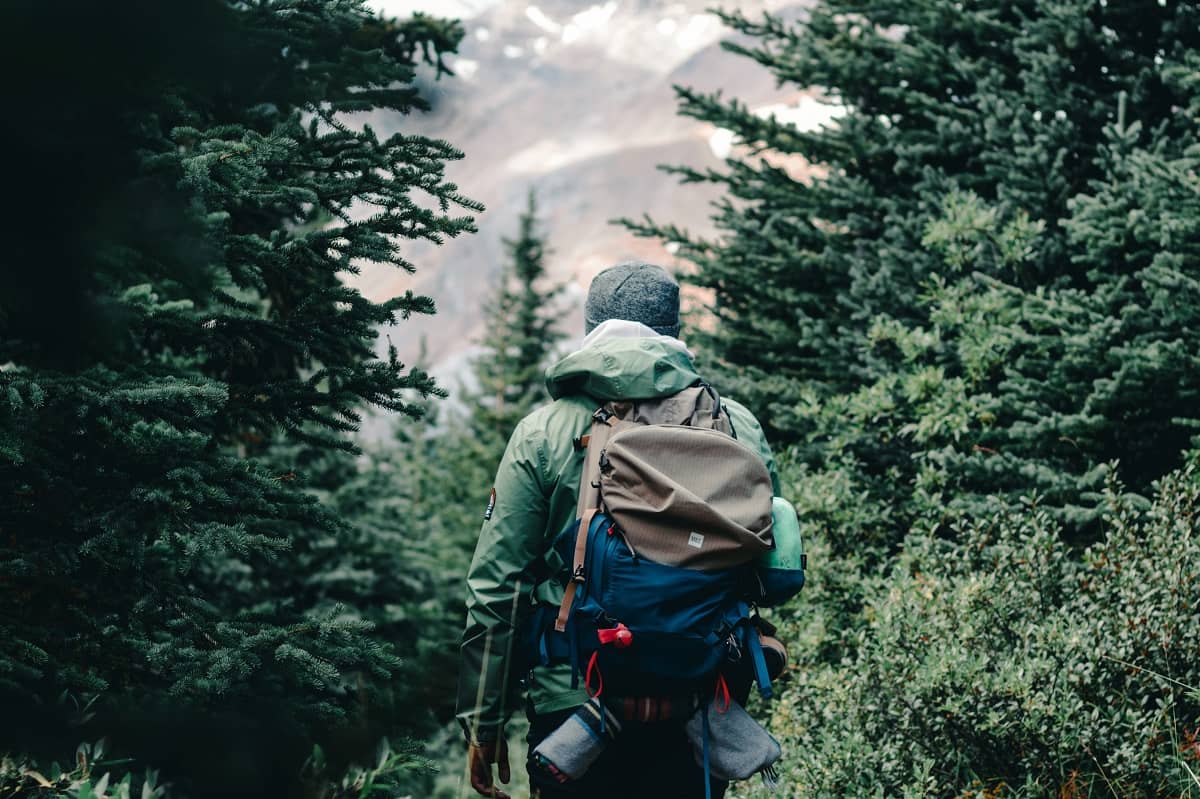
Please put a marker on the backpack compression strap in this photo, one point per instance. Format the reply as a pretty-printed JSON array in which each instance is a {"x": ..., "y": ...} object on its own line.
[
  {"x": 589, "y": 506},
  {"x": 577, "y": 573}
]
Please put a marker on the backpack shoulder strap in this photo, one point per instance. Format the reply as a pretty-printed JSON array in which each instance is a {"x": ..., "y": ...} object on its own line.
[{"x": 604, "y": 423}]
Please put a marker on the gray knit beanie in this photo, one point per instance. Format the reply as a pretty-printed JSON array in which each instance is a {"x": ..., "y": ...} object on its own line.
[{"x": 637, "y": 292}]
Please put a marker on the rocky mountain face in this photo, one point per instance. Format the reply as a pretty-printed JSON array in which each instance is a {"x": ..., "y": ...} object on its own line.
[{"x": 575, "y": 102}]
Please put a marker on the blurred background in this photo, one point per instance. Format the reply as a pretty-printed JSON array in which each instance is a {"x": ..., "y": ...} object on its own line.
[{"x": 574, "y": 101}]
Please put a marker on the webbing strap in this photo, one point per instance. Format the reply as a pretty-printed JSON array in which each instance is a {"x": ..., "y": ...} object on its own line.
[
  {"x": 573, "y": 646},
  {"x": 588, "y": 507},
  {"x": 589, "y": 478},
  {"x": 577, "y": 577},
  {"x": 707, "y": 768},
  {"x": 760, "y": 663}
]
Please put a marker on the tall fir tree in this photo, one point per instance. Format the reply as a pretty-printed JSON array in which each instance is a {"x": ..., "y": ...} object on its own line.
[
  {"x": 175, "y": 309},
  {"x": 960, "y": 307},
  {"x": 460, "y": 455},
  {"x": 417, "y": 501},
  {"x": 521, "y": 333}
]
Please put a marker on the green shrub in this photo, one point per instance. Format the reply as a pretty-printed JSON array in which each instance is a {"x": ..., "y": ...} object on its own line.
[
  {"x": 1004, "y": 664},
  {"x": 87, "y": 777}
]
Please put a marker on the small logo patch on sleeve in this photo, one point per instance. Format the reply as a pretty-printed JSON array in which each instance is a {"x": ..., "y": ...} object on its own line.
[
  {"x": 487, "y": 514},
  {"x": 695, "y": 540}
]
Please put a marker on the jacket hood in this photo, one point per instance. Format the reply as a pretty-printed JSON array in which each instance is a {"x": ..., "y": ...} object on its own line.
[{"x": 629, "y": 368}]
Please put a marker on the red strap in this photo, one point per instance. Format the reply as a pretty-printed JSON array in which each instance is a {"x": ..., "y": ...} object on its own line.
[
  {"x": 721, "y": 693},
  {"x": 587, "y": 679}
]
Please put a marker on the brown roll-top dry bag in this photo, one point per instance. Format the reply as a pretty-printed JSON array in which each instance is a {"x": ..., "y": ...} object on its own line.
[{"x": 687, "y": 496}]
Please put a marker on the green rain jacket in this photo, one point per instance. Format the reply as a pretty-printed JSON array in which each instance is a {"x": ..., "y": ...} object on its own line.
[{"x": 534, "y": 498}]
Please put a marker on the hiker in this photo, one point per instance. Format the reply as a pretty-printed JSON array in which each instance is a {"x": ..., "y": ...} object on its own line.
[{"x": 631, "y": 351}]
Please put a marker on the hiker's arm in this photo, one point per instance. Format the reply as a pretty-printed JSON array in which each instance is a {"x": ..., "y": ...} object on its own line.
[{"x": 498, "y": 589}]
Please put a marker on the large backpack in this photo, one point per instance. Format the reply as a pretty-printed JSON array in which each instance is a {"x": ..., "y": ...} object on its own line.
[{"x": 673, "y": 513}]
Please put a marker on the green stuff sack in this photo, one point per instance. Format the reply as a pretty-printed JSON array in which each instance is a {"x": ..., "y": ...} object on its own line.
[{"x": 781, "y": 569}]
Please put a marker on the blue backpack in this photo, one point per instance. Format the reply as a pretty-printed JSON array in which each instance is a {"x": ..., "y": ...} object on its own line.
[{"x": 674, "y": 518}]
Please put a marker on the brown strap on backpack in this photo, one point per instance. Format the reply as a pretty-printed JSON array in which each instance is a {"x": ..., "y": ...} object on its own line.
[
  {"x": 604, "y": 422},
  {"x": 564, "y": 610}
]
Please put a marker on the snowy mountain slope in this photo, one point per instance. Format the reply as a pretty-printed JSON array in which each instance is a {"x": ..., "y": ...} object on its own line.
[{"x": 574, "y": 101}]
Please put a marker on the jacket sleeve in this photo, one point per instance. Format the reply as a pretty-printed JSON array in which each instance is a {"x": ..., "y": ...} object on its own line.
[
  {"x": 499, "y": 582},
  {"x": 750, "y": 432}
]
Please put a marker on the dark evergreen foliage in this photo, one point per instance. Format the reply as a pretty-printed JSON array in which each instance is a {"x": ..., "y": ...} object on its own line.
[
  {"x": 974, "y": 330},
  {"x": 177, "y": 301},
  {"x": 970, "y": 297},
  {"x": 418, "y": 501},
  {"x": 521, "y": 335},
  {"x": 1004, "y": 664}
]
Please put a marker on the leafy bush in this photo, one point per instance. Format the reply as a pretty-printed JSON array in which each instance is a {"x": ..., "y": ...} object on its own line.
[
  {"x": 1004, "y": 664},
  {"x": 85, "y": 779},
  {"x": 392, "y": 774}
]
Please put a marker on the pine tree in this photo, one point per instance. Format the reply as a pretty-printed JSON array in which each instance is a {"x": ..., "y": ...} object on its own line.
[
  {"x": 985, "y": 292},
  {"x": 461, "y": 453},
  {"x": 520, "y": 336},
  {"x": 455, "y": 466},
  {"x": 976, "y": 315},
  {"x": 416, "y": 502},
  {"x": 179, "y": 302},
  {"x": 960, "y": 303}
]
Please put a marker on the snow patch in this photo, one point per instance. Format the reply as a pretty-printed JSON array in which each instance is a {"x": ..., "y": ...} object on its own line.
[
  {"x": 550, "y": 154},
  {"x": 699, "y": 32},
  {"x": 539, "y": 18},
  {"x": 447, "y": 9},
  {"x": 512, "y": 51},
  {"x": 807, "y": 114},
  {"x": 540, "y": 44},
  {"x": 465, "y": 68},
  {"x": 547, "y": 155},
  {"x": 588, "y": 21},
  {"x": 482, "y": 34},
  {"x": 721, "y": 142},
  {"x": 595, "y": 17},
  {"x": 667, "y": 27}
]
